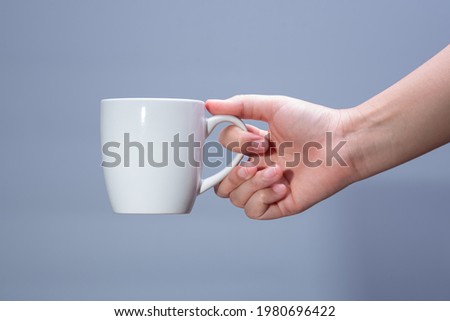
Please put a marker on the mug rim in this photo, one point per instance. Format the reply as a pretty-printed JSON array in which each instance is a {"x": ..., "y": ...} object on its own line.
[{"x": 154, "y": 100}]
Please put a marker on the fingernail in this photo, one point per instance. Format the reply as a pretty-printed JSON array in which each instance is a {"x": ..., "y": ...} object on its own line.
[
  {"x": 247, "y": 164},
  {"x": 279, "y": 188},
  {"x": 270, "y": 172},
  {"x": 257, "y": 146},
  {"x": 242, "y": 172}
]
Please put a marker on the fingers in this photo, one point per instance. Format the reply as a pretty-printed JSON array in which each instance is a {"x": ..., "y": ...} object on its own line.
[
  {"x": 257, "y": 107},
  {"x": 252, "y": 142},
  {"x": 241, "y": 193},
  {"x": 256, "y": 192},
  {"x": 237, "y": 176},
  {"x": 262, "y": 204}
]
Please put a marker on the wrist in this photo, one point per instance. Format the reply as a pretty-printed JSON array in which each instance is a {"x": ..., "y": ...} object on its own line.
[{"x": 360, "y": 132}]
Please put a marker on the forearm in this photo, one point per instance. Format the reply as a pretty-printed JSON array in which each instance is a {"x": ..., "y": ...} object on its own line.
[{"x": 405, "y": 121}]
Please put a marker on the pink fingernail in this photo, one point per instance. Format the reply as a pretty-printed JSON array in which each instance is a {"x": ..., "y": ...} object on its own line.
[
  {"x": 257, "y": 144},
  {"x": 247, "y": 163},
  {"x": 242, "y": 172},
  {"x": 279, "y": 188}
]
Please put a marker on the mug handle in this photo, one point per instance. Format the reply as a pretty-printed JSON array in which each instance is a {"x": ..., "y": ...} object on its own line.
[{"x": 211, "y": 123}]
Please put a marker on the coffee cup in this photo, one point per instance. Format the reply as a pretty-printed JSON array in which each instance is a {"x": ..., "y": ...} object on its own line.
[{"x": 152, "y": 153}]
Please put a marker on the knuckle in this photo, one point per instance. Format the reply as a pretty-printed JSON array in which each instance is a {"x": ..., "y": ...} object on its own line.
[
  {"x": 254, "y": 183},
  {"x": 235, "y": 201},
  {"x": 242, "y": 174},
  {"x": 237, "y": 97},
  {"x": 282, "y": 98},
  {"x": 261, "y": 197},
  {"x": 252, "y": 213},
  {"x": 219, "y": 191},
  {"x": 233, "y": 178}
]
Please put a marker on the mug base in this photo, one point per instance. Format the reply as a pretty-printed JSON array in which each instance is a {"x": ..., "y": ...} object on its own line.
[
  {"x": 150, "y": 213},
  {"x": 152, "y": 210}
]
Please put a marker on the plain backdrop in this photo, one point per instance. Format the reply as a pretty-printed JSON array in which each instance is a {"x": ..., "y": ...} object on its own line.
[{"x": 386, "y": 238}]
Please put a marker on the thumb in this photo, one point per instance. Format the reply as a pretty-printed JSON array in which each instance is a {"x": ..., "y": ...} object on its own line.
[{"x": 257, "y": 107}]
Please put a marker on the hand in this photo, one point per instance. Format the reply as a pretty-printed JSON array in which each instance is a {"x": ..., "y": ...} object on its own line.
[
  {"x": 276, "y": 182},
  {"x": 406, "y": 120}
]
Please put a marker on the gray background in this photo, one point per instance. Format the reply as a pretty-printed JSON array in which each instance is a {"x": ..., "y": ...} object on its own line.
[{"x": 383, "y": 238}]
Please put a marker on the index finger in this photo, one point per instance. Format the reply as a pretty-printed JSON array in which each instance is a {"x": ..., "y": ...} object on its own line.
[{"x": 257, "y": 107}]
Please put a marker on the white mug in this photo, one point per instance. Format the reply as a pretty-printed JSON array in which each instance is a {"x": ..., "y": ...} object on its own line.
[{"x": 136, "y": 129}]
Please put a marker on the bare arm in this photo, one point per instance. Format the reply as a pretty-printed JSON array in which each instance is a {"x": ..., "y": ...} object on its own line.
[{"x": 405, "y": 121}]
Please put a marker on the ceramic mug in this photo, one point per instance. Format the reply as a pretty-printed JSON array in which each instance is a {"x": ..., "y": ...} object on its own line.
[{"x": 152, "y": 153}]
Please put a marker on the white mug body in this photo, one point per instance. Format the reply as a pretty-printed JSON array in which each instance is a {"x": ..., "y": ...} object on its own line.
[
  {"x": 152, "y": 153},
  {"x": 148, "y": 178}
]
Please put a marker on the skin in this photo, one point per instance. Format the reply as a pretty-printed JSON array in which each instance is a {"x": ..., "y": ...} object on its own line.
[{"x": 410, "y": 118}]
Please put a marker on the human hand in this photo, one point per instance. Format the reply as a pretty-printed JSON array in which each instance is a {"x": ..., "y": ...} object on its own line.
[
  {"x": 404, "y": 121},
  {"x": 280, "y": 181}
]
